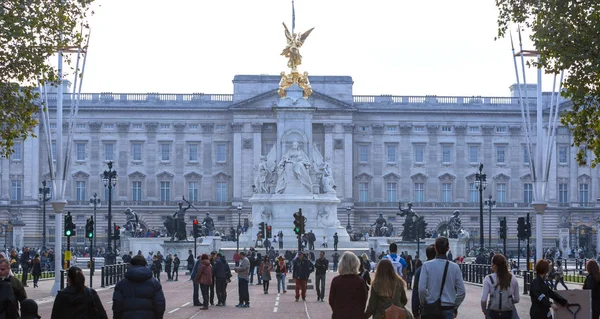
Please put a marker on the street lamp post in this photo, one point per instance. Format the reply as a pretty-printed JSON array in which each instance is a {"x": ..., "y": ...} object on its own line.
[
  {"x": 44, "y": 196},
  {"x": 348, "y": 211},
  {"x": 490, "y": 203},
  {"x": 95, "y": 203},
  {"x": 239, "y": 227},
  {"x": 109, "y": 178},
  {"x": 480, "y": 184}
]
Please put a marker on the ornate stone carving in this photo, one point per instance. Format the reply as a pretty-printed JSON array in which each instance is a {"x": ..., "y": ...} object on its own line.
[
  {"x": 257, "y": 127},
  {"x": 208, "y": 127},
  {"x": 564, "y": 220},
  {"x": 247, "y": 142},
  {"x": 179, "y": 127},
  {"x": 460, "y": 129},
  {"x": 151, "y": 126},
  {"x": 328, "y": 127},
  {"x": 348, "y": 128},
  {"x": 95, "y": 126},
  {"x": 405, "y": 129},
  {"x": 123, "y": 127},
  {"x": 487, "y": 129},
  {"x": 338, "y": 144},
  {"x": 377, "y": 128},
  {"x": 432, "y": 128},
  {"x": 237, "y": 127}
]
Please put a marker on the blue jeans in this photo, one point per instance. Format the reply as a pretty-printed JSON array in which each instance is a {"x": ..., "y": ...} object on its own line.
[
  {"x": 195, "y": 296},
  {"x": 448, "y": 314},
  {"x": 281, "y": 283},
  {"x": 252, "y": 275}
]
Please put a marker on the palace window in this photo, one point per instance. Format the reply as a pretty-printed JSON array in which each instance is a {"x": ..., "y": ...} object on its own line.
[
  {"x": 528, "y": 193},
  {"x": 80, "y": 151},
  {"x": 221, "y": 152},
  {"x": 109, "y": 152},
  {"x": 136, "y": 150},
  {"x": 165, "y": 150},
  {"x": 446, "y": 154},
  {"x": 193, "y": 191},
  {"x": 17, "y": 154},
  {"x": 80, "y": 190},
  {"x": 419, "y": 192},
  {"x": 563, "y": 155},
  {"x": 584, "y": 194},
  {"x": 363, "y": 153},
  {"x": 563, "y": 193},
  {"x": 473, "y": 154},
  {"x": 501, "y": 192},
  {"x": 16, "y": 191},
  {"x": 473, "y": 193},
  {"x": 391, "y": 192},
  {"x": 391, "y": 153},
  {"x": 419, "y": 153},
  {"x": 221, "y": 191},
  {"x": 447, "y": 192},
  {"x": 193, "y": 152},
  {"x": 165, "y": 191},
  {"x": 526, "y": 155},
  {"x": 500, "y": 154},
  {"x": 363, "y": 192},
  {"x": 136, "y": 191}
]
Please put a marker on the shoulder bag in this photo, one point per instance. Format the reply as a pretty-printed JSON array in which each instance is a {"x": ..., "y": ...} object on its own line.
[
  {"x": 393, "y": 311},
  {"x": 434, "y": 309},
  {"x": 94, "y": 311}
]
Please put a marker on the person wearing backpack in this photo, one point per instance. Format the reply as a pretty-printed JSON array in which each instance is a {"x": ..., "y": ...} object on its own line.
[
  {"x": 397, "y": 261},
  {"x": 592, "y": 282},
  {"x": 77, "y": 301},
  {"x": 388, "y": 290},
  {"x": 12, "y": 292},
  {"x": 502, "y": 289}
]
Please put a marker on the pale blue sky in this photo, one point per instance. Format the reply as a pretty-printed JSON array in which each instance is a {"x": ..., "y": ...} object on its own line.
[{"x": 393, "y": 47}]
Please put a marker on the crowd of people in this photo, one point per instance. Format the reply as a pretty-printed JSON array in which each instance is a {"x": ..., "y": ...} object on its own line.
[{"x": 437, "y": 285}]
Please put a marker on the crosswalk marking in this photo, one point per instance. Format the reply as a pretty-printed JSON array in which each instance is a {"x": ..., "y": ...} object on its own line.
[
  {"x": 172, "y": 311},
  {"x": 185, "y": 304}
]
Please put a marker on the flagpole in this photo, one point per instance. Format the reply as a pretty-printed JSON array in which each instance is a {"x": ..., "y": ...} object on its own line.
[{"x": 293, "y": 17}]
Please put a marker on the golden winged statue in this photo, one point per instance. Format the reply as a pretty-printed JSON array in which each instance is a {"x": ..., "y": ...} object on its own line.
[{"x": 294, "y": 43}]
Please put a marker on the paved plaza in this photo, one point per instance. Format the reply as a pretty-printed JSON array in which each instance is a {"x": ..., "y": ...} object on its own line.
[{"x": 179, "y": 301}]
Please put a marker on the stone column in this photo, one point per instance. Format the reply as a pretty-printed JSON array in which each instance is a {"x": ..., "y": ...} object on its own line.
[
  {"x": 150, "y": 161},
  {"x": 122, "y": 160},
  {"x": 405, "y": 148},
  {"x": 179, "y": 160},
  {"x": 461, "y": 161},
  {"x": 432, "y": 164},
  {"x": 207, "y": 161},
  {"x": 238, "y": 170},
  {"x": 377, "y": 158},
  {"x": 31, "y": 167},
  {"x": 4, "y": 173},
  {"x": 256, "y": 152},
  {"x": 328, "y": 147},
  {"x": 95, "y": 168},
  {"x": 348, "y": 162}
]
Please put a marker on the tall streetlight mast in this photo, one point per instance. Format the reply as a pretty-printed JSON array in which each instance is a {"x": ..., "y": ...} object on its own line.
[
  {"x": 110, "y": 179},
  {"x": 481, "y": 184},
  {"x": 44, "y": 195}
]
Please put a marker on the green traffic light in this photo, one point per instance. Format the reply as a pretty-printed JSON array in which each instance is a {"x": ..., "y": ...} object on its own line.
[
  {"x": 68, "y": 233},
  {"x": 90, "y": 235}
]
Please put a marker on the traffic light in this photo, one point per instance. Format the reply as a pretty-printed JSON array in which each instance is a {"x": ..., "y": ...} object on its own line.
[
  {"x": 69, "y": 226},
  {"x": 269, "y": 228},
  {"x": 89, "y": 228},
  {"x": 117, "y": 234},
  {"x": 261, "y": 228},
  {"x": 196, "y": 229},
  {"x": 298, "y": 223},
  {"x": 503, "y": 228},
  {"x": 521, "y": 232},
  {"x": 528, "y": 228}
]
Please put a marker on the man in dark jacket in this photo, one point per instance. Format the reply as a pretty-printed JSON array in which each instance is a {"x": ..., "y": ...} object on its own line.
[
  {"x": 190, "y": 261},
  {"x": 18, "y": 292},
  {"x": 176, "y": 263},
  {"x": 321, "y": 266},
  {"x": 25, "y": 263},
  {"x": 221, "y": 273},
  {"x": 302, "y": 269},
  {"x": 138, "y": 295},
  {"x": 213, "y": 259},
  {"x": 416, "y": 306}
]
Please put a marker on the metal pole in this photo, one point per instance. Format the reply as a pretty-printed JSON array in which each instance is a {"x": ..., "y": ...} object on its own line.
[
  {"x": 541, "y": 178},
  {"x": 91, "y": 261},
  {"x": 490, "y": 223},
  {"x": 505, "y": 236},
  {"x": 519, "y": 253},
  {"x": 479, "y": 177},
  {"x": 528, "y": 252},
  {"x": 109, "y": 247}
]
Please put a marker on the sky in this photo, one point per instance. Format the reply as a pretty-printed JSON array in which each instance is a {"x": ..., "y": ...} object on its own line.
[{"x": 397, "y": 47}]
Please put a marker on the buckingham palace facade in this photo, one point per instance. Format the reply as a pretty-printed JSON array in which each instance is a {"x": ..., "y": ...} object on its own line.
[{"x": 383, "y": 149}]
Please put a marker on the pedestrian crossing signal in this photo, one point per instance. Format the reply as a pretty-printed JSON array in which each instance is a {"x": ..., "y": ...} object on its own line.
[
  {"x": 89, "y": 228},
  {"x": 298, "y": 223}
]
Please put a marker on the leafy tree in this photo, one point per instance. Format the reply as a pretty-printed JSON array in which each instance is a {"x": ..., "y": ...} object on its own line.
[
  {"x": 567, "y": 35},
  {"x": 31, "y": 32}
]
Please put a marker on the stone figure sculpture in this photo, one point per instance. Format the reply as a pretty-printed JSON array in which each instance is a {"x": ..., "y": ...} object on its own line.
[
  {"x": 380, "y": 223},
  {"x": 132, "y": 221},
  {"x": 263, "y": 177},
  {"x": 408, "y": 233},
  {"x": 292, "y": 49},
  {"x": 327, "y": 219},
  {"x": 266, "y": 216},
  {"x": 294, "y": 165},
  {"x": 209, "y": 224},
  {"x": 454, "y": 226},
  {"x": 324, "y": 173}
]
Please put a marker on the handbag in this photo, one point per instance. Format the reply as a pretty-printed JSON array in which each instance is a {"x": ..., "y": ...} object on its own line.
[
  {"x": 393, "y": 311},
  {"x": 95, "y": 312},
  {"x": 434, "y": 309}
]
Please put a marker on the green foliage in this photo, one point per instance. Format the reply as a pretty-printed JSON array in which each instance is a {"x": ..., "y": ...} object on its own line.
[
  {"x": 32, "y": 32},
  {"x": 567, "y": 35}
]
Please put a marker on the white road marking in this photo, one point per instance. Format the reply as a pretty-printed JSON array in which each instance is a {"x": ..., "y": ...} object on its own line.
[
  {"x": 185, "y": 304},
  {"x": 306, "y": 310},
  {"x": 45, "y": 300},
  {"x": 276, "y": 303},
  {"x": 172, "y": 311},
  {"x": 275, "y": 309},
  {"x": 109, "y": 302}
]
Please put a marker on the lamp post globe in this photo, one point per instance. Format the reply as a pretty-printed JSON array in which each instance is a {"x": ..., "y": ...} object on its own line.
[
  {"x": 348, "y": 211},
  {"x": 44, "y": 195},
  {"x": 480, "y": 184}
]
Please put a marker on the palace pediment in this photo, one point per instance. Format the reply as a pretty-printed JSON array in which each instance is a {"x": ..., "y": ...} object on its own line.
[{"x": 267, "y": 100}]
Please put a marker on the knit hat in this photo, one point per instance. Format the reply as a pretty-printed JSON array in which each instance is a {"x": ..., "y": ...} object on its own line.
[{"x": 29, "y": 308}]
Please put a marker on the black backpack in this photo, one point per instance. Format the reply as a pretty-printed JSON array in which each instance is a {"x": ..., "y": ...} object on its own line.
[{"x": 9, "y": 308}]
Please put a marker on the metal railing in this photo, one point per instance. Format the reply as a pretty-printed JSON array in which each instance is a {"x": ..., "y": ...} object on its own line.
[{"x": 110, "y": 275}]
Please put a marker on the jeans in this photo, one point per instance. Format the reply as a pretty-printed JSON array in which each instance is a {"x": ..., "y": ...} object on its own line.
[
  {"x": 320, "y": 286},
  {"x": 243, "y": 291},
  {"x": 195, "y": 295},
  {"x": 212, "y": 291},
  {"x": 251, "y": 274},
  {"x": 175, "y": 273},
  {"x": 335, "y": 264},
  {"x": 204, "y": 289},
  {"x": 280, "y": 283},
  {"x": 25, "y": 273},
  {"x": 221, "y": 287},
  {"x": 266, "y": 285},
  {"x": 36, "y": 278},
  {"x": 301, "y": 286}
]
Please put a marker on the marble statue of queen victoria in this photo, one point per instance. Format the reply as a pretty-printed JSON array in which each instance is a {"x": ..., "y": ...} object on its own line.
[{"x": 294, "y": 165}]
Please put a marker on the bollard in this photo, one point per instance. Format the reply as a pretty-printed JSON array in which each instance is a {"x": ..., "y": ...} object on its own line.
[{"x": 102, "y": 276}]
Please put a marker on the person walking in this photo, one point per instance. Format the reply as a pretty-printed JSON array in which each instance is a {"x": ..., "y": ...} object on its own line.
[
  {"x": 335, "y": 258},
  {"x": 77, "y": 301},
  {"x": 265, "y": 273},
  {"x": 502, "y": 289},
  {"x": 242, "y": 272},
  {"x": 156, "y": 267},
  {"x": 321, "y": 266},
  {"x": 280, "y": 273},
  {"x": 592, "y": 282},
  {"x": 541, "y": 294},
  {"x": 195, "y": 284},
  {"x": 415, "y": 304},
  {"x": 190, "y": 261},
  {"x": 212, "y": 258},
  {"x": 176, "y": 262},
  {"x": 348, "y": 292},
  {"x": 397, "y": 260},
  {"x": 441, "y": 279},
  {"x": 559, "y": 276},
  {"x": 252, "y": 263},
  {"x": 168, "y": 264},
  {"x": 36, "y": 270},
  {"x": 387, "y": 289},
  {"x": 138, "y": 295},
  {"x": 336, "y": 240},
  {"x": 204, "y": 278},
  {"x": 280, "y": 241},
  {"x": 25, "y": 262},
  {"x": 222, "y": 274},
  {"x": 301, "y": 271},
  {"x": 12, "y": 292}
]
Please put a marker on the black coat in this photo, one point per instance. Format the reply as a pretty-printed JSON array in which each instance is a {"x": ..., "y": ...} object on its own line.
[
  {"x": 302, "y": 268},
  {"x": 221, "y": 269},
  {"x": 72, "y": 304},
  {"x": 138, "y": 295},
  {"x": 540, "y": 298},
  {"x": 590, "y": 283}
]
